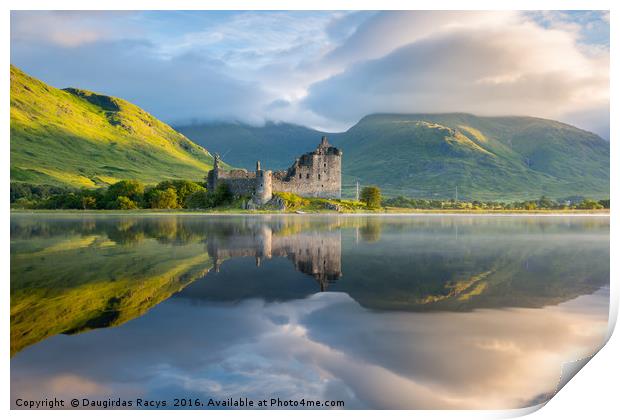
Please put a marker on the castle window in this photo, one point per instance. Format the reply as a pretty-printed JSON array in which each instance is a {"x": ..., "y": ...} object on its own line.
[
  {"x": 319, "y": 176},
  {"x": 299, "y": 176},
  {"x": 325, "y": 165},
  {"x": 307, "y": 176}
]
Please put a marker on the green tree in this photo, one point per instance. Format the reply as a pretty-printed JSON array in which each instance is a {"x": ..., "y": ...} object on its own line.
[
  {"x": 589, "y": 205},
  {"x": 199, "y": 200},
  {"x": 166, "y": 199},
  {"x": 89, "y": 202},
  {"x": 183, "y": 188},
  {"x": 371, "y": 195},
  {"x": 546, "y": 203},
  {"x": 222, "y": 194},
  {"x": 125, "y": 203},
  {"x": 186, "y": 188},
  {"x": 134, "y": 190}
]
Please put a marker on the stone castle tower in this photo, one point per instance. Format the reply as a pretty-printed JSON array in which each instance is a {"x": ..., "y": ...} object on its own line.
[
  {"x": 314, "y": 174},
  {"x": 263, "y": 189}
]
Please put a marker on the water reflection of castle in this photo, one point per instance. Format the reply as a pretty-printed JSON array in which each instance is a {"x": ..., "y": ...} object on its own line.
[{"x": 316, "y": 253}]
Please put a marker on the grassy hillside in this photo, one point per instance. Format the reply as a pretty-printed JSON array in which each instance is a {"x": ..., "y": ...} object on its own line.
[
  {"x": 80, "y": 138},
  {"x": 486, "y": 157},
  {"x": 276, "y": 145}
]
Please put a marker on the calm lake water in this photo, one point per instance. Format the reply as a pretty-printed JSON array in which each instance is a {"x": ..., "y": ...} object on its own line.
[{"x": 379, "y": 312}]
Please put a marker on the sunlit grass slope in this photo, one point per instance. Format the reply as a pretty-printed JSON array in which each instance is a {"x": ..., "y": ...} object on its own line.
[{"x": 80, "y": 138}]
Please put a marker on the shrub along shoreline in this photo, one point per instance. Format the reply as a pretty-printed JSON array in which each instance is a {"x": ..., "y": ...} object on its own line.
[{"x": 189, "y": 195}]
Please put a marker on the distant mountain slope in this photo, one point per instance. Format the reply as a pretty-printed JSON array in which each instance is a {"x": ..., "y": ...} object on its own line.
[
  {"x": 80, "y": 138},
  {"x": 276, "y": 145},
  {"x": 429, "y": 155}
]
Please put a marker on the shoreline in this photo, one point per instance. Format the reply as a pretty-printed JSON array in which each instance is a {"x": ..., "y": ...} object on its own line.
[{"x": 399, "y": 212}]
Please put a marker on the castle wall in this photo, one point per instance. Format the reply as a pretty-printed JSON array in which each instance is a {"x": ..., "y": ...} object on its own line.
[
  {"x": 240, "y": 182},
  {"x": 314, "y": 175}
]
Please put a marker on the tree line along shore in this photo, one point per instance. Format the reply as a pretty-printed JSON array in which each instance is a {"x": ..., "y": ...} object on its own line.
[{"x": 190, "y": 195}]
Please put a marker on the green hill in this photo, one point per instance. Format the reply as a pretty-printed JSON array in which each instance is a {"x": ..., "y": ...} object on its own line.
[
  {"x": 80, "y": 138},
  {"x": 428, "y": 155},
  {"x": 275, "y": 144}
]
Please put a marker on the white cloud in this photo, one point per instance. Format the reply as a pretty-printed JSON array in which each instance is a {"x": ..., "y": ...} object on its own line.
[
  {"x": 517, "y": 67},
  {"x": 327, "y": 70},
  {"x": 70, "y": 28}
]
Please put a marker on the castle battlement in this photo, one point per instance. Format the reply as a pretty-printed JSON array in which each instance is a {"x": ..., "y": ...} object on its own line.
[{"x": 313, "y": 174}]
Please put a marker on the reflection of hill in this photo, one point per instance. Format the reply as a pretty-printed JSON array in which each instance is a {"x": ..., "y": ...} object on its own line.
[
  {"x": 425, "y": 263},
  {"x": 420, "y": 264},
  {"x": 70, "y": 274},
  {"x": 435, "y": 270},
  {"x": 79, "y": 283}
]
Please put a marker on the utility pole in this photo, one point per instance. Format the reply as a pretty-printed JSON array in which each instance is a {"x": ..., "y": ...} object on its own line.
[
  {"x": 357, "y": 191},
  {"x": 456, "y": 193}
]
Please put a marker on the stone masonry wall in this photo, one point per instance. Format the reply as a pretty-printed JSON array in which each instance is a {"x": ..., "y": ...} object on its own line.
[
  {"x": 314, "y": 174},
  {"x": 240, "y": 182}
]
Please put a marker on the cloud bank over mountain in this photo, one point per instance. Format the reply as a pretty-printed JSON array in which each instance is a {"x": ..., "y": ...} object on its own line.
[{"x": 327, "y": 69}]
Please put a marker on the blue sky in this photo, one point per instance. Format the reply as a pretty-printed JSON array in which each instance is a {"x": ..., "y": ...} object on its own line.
[{"x": 326, "y": 69}]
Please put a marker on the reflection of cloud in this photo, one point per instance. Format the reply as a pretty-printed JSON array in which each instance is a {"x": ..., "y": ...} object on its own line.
[
  {"x": 61, "y": 386},
  {"x": 507, "y": 356},
  {"x": 324, "y": 347}
]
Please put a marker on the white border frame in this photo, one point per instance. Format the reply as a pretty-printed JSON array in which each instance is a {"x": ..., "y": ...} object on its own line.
[{"x": 592, "y": 393}]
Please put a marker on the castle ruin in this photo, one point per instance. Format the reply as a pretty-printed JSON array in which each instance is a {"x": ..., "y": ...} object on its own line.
[{"x": 314, "y": 174}]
